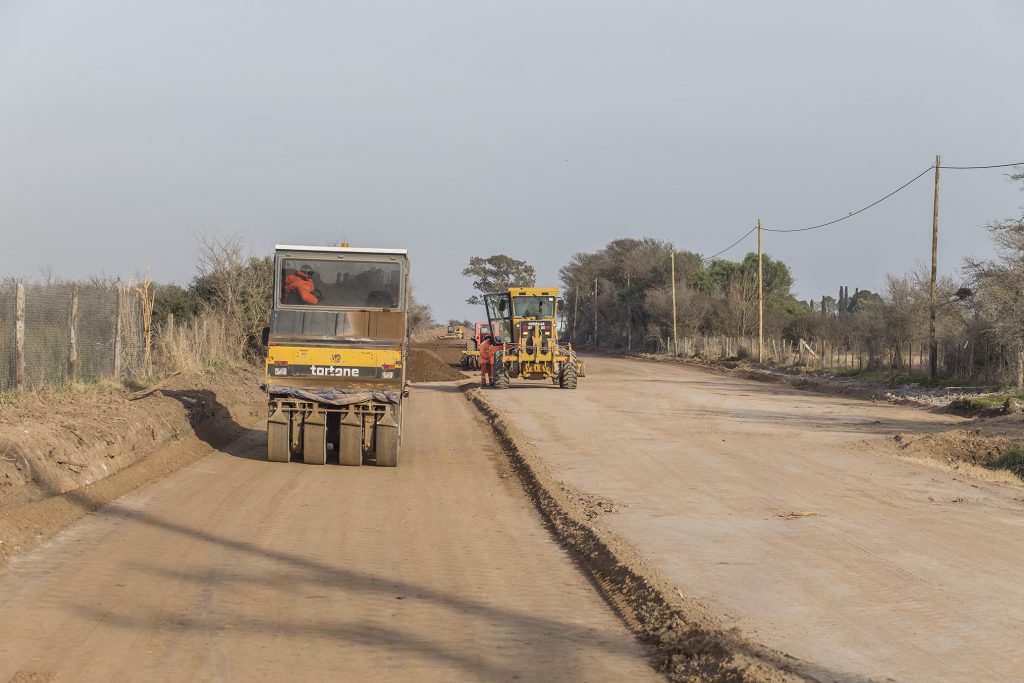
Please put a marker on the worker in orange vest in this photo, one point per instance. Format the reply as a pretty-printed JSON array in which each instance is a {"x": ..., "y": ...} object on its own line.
[
  {"x": 301, "y": 283},
  {"x": 487, "y": 361}
]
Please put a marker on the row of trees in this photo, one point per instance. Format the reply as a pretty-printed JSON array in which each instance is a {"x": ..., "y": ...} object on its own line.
[{"x": 621, "y": 297}]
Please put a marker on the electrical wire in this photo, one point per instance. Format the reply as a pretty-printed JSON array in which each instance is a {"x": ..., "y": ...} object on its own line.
[
  {"x": 717, "y": 254},
  {"x": 969, "y": 168},
  {"x": 858, "y": 211},
  {"x": 854, "y": 213}
]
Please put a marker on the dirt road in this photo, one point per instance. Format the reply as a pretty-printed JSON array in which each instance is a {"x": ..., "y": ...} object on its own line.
[
  {"x": 786, "y": 513},
  {"x": 238, "y": 569}
]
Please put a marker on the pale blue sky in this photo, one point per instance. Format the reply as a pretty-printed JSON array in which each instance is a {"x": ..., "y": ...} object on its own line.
[{"x": 535, "y": 129}]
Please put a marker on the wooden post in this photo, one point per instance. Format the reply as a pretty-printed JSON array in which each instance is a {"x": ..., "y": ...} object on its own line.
[
  {"x": 19, "y": 336},
  {"x": 73, "y": 339},
  {"x": 933, "y": 356},
  {"x": 575, "y": 310},
  {"x": 117, "y": 332},
  {"x": 760, "y": 298},
  {"x": 675, "y": 328},
  {"x": 629, "y": 319}
]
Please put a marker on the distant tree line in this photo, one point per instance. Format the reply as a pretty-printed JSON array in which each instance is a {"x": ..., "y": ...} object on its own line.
[{"x": 620, "y": 297}]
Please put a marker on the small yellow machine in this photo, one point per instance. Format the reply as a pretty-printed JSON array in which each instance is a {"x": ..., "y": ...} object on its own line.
[
  {"x": 336, "y": 354},
  {"x": 525, "y": 319},
  {"x": 454, "y": 332}
]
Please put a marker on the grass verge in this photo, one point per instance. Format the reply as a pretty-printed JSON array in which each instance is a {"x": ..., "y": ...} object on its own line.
[{"x": 1012, "y": 460}]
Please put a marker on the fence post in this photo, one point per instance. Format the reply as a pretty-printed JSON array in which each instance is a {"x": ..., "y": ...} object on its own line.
[
  {"x": 19, "y": 336},
  {"x": 73, "y": 342},
  {"x": 117, "y": 333}
]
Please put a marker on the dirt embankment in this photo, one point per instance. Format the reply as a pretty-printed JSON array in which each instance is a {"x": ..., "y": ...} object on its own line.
[
  {"x": 435, "y": 360},
  {"x": 56, "y": 443},
  {"x": 956, "y": 447},
  {"x": 427, "y": 366},
  {"x": 687, "y": 642}
]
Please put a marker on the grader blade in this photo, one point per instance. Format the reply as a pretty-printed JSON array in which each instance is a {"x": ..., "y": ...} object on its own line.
[
  {"x": 314, "y": 438},
  {"x": 387, "y": 440},
  {"x": 350, "y": 439},
  {"x": 278, "y": 442}
]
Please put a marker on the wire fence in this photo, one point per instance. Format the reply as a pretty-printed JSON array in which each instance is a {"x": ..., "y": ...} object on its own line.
[
  {"x": 51, "y": 334},
  {"x": 962, "y": 360}
]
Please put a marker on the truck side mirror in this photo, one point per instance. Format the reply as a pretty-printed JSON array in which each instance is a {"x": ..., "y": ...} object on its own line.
[{"x": 265, "y": 337}]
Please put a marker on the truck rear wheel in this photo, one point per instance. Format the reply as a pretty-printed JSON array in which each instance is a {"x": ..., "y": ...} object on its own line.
[
  {"x": 278, "y": 441},
  {"x": 350, "y": 439},
  {"x": 314, "y": 438},
  {"x": 388, "y": 437}
]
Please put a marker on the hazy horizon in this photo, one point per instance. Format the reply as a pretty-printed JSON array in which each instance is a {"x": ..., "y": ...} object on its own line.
[{"x": 474, "y": 128}]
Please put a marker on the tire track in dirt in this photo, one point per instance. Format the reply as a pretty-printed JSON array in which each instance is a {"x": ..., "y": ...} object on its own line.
[{"x": 686, "y": 641}]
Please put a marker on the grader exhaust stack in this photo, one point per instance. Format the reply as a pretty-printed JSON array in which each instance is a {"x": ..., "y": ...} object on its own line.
[{"x": 336, "y": 354}]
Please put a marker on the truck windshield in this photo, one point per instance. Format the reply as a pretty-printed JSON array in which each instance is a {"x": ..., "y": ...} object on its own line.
[
  {"x": 340, "y": 283},
  {"x": 533, "y": 306}
]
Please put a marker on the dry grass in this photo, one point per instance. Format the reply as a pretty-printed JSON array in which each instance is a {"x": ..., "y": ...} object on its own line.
[
  {"x": 204, "y": 342},
  {"x": 967, "y": 470}
]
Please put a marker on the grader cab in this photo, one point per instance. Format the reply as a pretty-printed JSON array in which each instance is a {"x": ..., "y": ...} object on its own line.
[
  {"x": 336, "y": 354},
  {"x": 525, "y": 321}
]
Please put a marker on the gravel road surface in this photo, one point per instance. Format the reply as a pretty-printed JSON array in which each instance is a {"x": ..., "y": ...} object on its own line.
[
  {"x": 788, "y": 514},
  {"x": 239, "y": 569}
]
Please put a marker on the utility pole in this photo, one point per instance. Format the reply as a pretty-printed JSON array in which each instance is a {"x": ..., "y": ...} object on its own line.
[
  {"x": 575, "y": 308},
  {"x": 629, "y": 318},
  {"x": 760, "y": 298},
  {"x": 675, "y": 328},
  {"x": 595, "y": 312},
  {"x": 933, "y": 350}
]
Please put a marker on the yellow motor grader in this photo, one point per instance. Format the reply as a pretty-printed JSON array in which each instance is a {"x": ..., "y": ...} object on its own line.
[
  {"x": 336, "y": 354},
  {"x": 525, "y": 320}
]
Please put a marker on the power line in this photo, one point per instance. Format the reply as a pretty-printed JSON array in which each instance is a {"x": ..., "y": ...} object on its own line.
[
  {"x": 969, "y": 168},
  {"x": 863, "y": 209},
  {"x": 854, "y": 213},
  {"x": 745, "y": 236}
]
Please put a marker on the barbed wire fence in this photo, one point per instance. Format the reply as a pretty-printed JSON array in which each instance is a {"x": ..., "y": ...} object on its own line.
[{"x": 53, "y": 334}]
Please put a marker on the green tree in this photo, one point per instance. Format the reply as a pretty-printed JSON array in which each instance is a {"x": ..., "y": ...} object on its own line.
[
  {"x": 497, "y": 273},
  {"x": 861, "y": 298},
  {"x": 421, "y": 318}
]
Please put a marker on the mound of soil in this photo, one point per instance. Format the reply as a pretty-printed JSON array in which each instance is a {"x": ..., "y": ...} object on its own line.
[
  {"x": 450, "y": 353},
  {"x": 427, "y": 366},
  {"x": 956, "y": 445},
  {"x": 66, "y": 452},
  {"x": 55, "y": 441}
]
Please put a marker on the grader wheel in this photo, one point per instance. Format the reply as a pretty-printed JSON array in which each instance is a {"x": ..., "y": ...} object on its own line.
[
  {"x": 568, "y": 378},
  {"x": 501, "y": 380}
]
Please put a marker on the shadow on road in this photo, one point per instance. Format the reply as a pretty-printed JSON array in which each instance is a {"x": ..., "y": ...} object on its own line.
[{"x": 216, "y": 426}]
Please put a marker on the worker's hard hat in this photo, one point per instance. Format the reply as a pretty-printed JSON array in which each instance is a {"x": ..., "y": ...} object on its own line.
[{"x": 306, "y": 268}]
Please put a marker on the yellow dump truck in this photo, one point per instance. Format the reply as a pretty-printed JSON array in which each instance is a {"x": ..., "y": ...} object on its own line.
[
  {"x": 525, "y": 319},
  {"x": 336, "y": 354}
]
